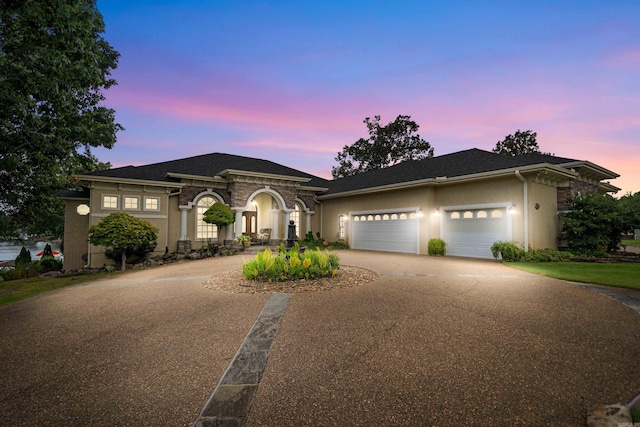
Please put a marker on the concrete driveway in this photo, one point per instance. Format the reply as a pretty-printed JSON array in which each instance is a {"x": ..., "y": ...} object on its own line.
[{"x": 434, "y": 341}]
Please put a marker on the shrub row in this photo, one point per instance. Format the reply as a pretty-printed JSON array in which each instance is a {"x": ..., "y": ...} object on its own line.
[
  {"x": 291, "y": 265},
  {"x": 509, "y": 251},
  {"x": 313, "y": 242}
]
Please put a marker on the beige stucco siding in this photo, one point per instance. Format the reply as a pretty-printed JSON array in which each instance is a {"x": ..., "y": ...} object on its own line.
[
  {"x": 507, "y": 191},
  {"x": 75, "y": 235},
  {"x": 158, "y": 218},
  {"x": 543, "y": 222}
]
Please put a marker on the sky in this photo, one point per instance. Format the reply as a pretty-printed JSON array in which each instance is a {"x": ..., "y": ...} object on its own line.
[{"x": 293, "y": 81}]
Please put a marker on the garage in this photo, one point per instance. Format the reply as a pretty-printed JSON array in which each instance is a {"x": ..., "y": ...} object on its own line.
[
  {"x": 396, "y": 231},
  {"x": 471, "y": 232}
]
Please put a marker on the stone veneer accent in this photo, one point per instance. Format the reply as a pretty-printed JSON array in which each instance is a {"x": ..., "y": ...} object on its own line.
[
  {"x": 575, "y": 187},
  {"x": 189, "y": 192}
]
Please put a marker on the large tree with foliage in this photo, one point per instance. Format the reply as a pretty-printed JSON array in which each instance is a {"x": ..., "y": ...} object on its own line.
[
  {"x": 593, "y": 225},
  {"x": 124, "y": 233},
  {"x": 54, "y": 67},
  {"x": 630, "y": 208},
  {"x": 521, "y": 142},
  {"x": 386, "y": 146}
]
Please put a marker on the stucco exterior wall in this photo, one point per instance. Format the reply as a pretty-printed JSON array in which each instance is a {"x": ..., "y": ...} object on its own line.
[
  {"x": 543, "y": 224},
  {"x": 75, "y": 235},
  {"x": 159, "y": 218},
  {"x": 543, "y": 221}
]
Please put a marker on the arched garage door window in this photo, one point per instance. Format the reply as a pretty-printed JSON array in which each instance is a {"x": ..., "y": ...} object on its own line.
[{"x": 203, "y": 230}]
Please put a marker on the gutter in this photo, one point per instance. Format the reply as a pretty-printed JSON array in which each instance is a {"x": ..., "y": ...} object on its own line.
[{"x": 525, "y": 209}]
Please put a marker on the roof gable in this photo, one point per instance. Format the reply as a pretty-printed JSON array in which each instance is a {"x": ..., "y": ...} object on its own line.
[
  {"x": 207, "y": 165},
  {"x": 461, "y": 163}
]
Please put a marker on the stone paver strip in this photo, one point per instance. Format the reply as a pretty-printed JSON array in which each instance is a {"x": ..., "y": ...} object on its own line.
[{"x": 231, "y": 400}]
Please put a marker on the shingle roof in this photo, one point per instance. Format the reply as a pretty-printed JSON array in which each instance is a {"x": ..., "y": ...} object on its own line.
[
  {"x": 461, "y": 163},
  {"x": 208, "y": 165}
]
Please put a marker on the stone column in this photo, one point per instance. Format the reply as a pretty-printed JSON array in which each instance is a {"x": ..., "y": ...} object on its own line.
[
  {"x": 275, "y": 224},
  {"x": 308, "y": 215},
  {"x": 238, "y": 223},
  {"x": 229, "y": 232}
]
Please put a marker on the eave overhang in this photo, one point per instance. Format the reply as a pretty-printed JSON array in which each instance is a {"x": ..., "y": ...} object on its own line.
[
  {"x": 216, "y": 178},
  {"x": 131, "y": 181},
  {"x": 236, "y": 172}
]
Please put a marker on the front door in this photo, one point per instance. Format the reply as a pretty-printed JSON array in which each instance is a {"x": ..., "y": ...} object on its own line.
[{"x": 250, "y": 223}]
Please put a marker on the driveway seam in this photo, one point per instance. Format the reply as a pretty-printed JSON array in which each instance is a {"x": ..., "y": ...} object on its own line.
[{"x": 231, "y": 400}]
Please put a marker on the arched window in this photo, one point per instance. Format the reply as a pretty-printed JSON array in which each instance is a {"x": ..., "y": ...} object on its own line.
[
  {"x": 295, "y": 217},
  {"x": 481, "y": 214},
  {"x": 204, "y": 230}
]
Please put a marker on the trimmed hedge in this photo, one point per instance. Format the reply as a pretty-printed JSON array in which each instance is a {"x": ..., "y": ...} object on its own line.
[
  {"x": 510, "y": 252},
  {"x": 437, "y": 247}
]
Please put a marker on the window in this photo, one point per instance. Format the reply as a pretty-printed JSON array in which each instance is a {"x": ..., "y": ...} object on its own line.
[
  {"x": 481, "y": 214},
  {"x": 468, "y": 214},
  {"x": 131, "y": 203},
  {"x": 109, "y": 202},
  {"x": 151, "y": 203},
  {"x": 455, "y": 215},
  {"x": 204, "y": 230},
  {"x": 295, "y": 217},
  {"x": 342, "y": 219},
  {"x": 496, "y": 214}
]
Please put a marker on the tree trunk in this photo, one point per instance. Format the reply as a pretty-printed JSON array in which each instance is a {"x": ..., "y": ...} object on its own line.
[{"x": 124, "y": 260}]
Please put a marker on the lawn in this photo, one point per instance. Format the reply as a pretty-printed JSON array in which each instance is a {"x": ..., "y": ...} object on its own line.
[
  {"x": 16, "y": 290},
  {"x": 623, "y": 275}
]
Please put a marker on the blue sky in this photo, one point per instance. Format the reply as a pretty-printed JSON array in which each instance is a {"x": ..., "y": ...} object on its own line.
[{"x": 293, "y": 81}]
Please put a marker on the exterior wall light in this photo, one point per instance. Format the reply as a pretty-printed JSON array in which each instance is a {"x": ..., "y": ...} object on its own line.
[
  {"x": 436, "y": 212},
  {"x": 512, "y": 209}
]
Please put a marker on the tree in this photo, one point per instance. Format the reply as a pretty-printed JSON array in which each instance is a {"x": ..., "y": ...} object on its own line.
[
  {"x": 219, "y": 214},
  {"x": 386, "y": 146},
  {"x": 630, "y": 208},
  {"x": 521, "y": 142},
  {"x": 123, "y": 232},
  {"x": 54, "y": 66},
  {"x": 594, "y": 224}
]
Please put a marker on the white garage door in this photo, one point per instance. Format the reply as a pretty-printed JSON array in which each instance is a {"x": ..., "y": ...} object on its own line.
[
  {"x": 390, "y": 232},
  {"x": 471, "y": 233}
]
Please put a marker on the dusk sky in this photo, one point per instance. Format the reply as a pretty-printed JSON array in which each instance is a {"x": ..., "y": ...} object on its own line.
[{"x": 292, "y": 81}]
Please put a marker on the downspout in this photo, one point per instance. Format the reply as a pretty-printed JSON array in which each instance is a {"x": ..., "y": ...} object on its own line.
[{"x": 525, "y": 209}]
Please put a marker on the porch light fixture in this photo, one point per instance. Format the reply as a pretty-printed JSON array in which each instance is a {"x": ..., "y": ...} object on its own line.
[
  {"x": 436, "y": 212},
  {"x": 419, "y": 214},
  {"x": 512, "y": 209}
]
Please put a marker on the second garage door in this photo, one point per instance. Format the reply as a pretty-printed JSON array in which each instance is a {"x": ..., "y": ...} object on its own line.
[
  {"x": 390, "y": 232},
  {"x": 471, "y": 232}
]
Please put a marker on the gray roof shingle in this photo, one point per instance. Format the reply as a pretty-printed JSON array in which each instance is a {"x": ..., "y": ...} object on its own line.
[
  {"x": 461, "y": 163},
  {"x": 208, "y": 165}
]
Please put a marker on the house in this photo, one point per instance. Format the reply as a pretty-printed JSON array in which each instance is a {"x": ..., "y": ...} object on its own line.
[{"x": 470, "y": 199}]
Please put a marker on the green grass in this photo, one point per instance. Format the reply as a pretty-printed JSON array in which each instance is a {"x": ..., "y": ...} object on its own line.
[
  {"x": 623, "y": 275},
  {"x": 16, "y": 290},
  {"x": 631, "y": 242}
]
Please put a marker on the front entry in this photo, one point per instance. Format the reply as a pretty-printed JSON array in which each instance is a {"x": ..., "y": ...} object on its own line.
[{"x": 250, "y": 223}]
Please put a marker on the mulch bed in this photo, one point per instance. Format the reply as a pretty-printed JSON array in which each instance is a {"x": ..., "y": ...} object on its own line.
[{"x": 234, "y": 281}]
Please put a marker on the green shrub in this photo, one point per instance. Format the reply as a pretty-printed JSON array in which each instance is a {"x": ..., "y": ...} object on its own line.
[
  {"x": 507, "y": 251},
  {"x": 23, "y": 258},
  {"x": 291, "y": 265},
  {"x": 546, "y": 255},
  {"x": 49, "y": 263},
  {"x": 437, "y": 247}
]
